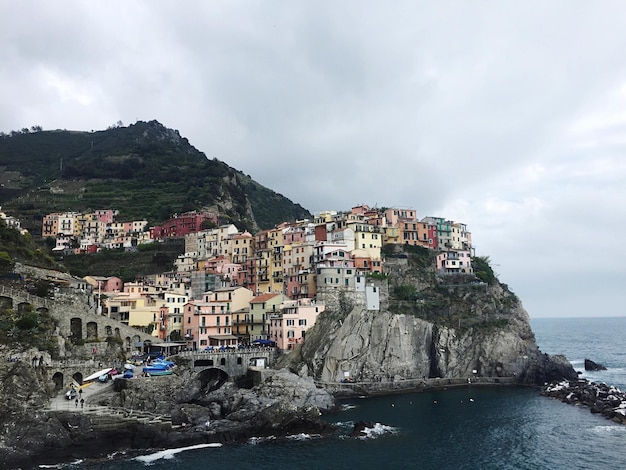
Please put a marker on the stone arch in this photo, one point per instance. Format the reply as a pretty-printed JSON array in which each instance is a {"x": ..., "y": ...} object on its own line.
[
  {"x": 57, "y": 379},
  {"x": 78, "y": 376},
  {"x": 5, "y": 302},
  {"x": 108, "y": 330},
  {"x": 239, "y": 361},
  {"x": 203, "y": 362},
  {"x": 222, "y": 361},
  {"x": 128, "y": 343},
  {"x": 92, "y": 330},
  {"x": 76, "y": 328},
  {"x": 117, "y": 332},
  {"x": 42, "y": 309},
  {"x": 24, "y": 307},
  {"x": 212, "y": 379}
]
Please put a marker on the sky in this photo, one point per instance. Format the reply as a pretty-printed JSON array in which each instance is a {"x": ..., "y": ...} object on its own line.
[{"x": 507, "y": 116}]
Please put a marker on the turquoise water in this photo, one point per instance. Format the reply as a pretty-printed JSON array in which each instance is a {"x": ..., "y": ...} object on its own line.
[{"x": 473, "y": 428}]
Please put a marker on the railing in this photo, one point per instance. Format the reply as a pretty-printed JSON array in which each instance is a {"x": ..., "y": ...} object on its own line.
[
  {"x": 20, "y": 294},
  {"x": 386, "y": 386}
]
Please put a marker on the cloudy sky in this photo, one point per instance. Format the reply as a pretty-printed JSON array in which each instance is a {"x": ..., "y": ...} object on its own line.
[{"x": 508, "y": 116}]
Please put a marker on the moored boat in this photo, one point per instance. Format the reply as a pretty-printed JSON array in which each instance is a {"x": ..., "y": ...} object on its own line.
[{"x": 156, "y": 372}]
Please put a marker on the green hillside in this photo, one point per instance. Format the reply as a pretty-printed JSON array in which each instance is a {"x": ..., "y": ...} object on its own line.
[{"x": 145, "y": 171}]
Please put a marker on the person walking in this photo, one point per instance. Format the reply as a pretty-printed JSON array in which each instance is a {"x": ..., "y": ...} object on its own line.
[
  {"x": 82, "y": 403},
  {"x": 77, "y": 403}
]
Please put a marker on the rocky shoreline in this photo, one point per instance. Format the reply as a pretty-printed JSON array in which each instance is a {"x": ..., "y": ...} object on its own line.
[
  {"x": 180, "y": 410},
  {"x": 186, "y": 408},
  {"x": 607, "y": 400}
]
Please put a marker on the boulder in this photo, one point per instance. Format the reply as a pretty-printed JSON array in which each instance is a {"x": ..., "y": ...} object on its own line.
[
  {"x": 591, "y": 366},
  {"x": 359, "y": 429}
]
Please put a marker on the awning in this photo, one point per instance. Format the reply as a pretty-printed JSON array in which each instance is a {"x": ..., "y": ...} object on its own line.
[
  {"x": 167, "y": 345},
  {"x": 223, "y": 337}
]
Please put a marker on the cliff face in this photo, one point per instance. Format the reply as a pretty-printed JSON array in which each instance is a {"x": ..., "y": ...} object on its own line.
[{"x": 450, "y": 328}]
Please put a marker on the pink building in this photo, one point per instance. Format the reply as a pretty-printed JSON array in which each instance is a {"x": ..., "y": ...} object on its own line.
[
  {"x": 288, "y": 326},
  {"x": 454, "y": 262},
  {"x": 102, "y": 284},
  {"x": 106, "y": 216},
  {"x": 208, "y": 322}
]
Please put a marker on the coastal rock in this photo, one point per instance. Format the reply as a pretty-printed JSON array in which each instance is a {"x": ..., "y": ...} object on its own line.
[
  {"x": 382, "y": 350},
  {"x": 153, "y": 412},
  {"x": 600, "y": 398},
  {"x": 593, "y": 366},
  {"x": 360, "y": 427}
]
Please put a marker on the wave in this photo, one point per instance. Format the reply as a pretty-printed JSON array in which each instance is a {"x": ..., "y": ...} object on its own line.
[
  {"x": 169, "y": 453},
  {"x": 347, "y": 406},
  {"x": 378, "y": 430},
  {"x": 63, "y": 465},
  {"x": 258, "y": 440},
  {"x": 609, "y": 429},
  {"x": 302, "y": 437}
]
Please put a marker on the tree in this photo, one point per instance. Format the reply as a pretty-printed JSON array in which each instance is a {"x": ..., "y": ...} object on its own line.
[
  {"x": 6, "y": 262},
  {"x": 483, "y": 270}
]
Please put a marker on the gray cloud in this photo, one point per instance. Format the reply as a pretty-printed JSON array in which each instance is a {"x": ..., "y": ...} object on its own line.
[{"x": 507, "y": 116}]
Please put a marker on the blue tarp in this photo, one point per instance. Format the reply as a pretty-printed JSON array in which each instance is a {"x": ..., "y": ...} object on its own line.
[{"x": 264, "y": 342}]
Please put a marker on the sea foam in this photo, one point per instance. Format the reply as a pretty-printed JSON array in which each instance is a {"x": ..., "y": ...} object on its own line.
[
  {"x": 169, "y": 453},
  {"x": 378, "y": 430}
]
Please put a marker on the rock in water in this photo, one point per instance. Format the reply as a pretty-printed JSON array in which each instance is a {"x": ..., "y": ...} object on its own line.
[
  {"x": 590, "y": 365},
  {"x": 360, "y": 427}
]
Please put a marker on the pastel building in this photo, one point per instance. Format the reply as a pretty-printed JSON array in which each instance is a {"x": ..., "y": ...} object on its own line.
[
  {"x": 454, "y": 262},
  {"x": 171, "y": 309},
  {"x": 288, "y": 327},
  {"x": 208, "y": 322}
]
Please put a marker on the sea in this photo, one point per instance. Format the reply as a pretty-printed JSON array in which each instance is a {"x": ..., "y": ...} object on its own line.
[{"x": 471, "y": 428}]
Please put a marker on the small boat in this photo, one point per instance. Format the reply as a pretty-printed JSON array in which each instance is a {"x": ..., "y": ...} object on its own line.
[
  {"x": 128, "y": 366},
  {"x": 163, "y": 361},
  {"x": 128, "y": 374},
  {"x": 157, "y": 365},
  {"x": 157, "y": 372},
  {"x": 97, "y": 375}
]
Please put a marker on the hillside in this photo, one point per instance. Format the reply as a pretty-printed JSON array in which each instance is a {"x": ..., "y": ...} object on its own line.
[{"x": 145, "y": 171}]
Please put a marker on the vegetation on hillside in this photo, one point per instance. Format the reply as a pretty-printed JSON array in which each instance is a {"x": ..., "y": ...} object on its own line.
[
  {"x": 459, "y": 301},
  {"x": 15, "y": 247},
  {"x": 26, "y": 329},
  {"x": 128, "y": 266},
  {"x": 145, "y": 171}
]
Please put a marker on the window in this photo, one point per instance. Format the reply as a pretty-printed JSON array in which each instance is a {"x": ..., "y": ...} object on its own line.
[
  {"x": 302, "y": 322},
  {"x": 290, "y": 334},
  {"x": 290, "y": 322}
]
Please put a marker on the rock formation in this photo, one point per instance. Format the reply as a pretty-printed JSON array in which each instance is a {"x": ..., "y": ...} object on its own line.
[
  {"x": 599, "y": 397},
  {"x": 450, "y": 327},
  {"x": 593, "y": 366},
  {"x": 156, "y": 412}
]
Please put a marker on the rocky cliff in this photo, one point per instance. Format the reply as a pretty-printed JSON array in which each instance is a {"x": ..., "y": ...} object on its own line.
[{"x": 425, "y": 327}]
